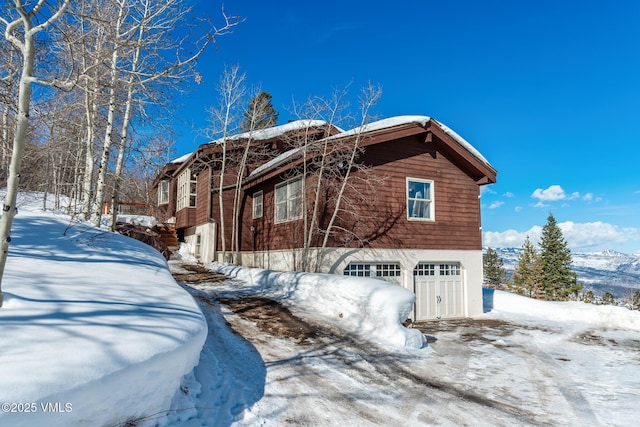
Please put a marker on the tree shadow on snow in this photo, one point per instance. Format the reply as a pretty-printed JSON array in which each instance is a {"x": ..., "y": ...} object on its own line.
[{"x": 231, "y": 372}]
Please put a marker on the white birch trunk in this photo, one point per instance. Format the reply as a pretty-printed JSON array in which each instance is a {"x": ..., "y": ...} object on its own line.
[
  {"x": 103, "y": 166},
  {"x": 89, "y": 159},
  {"x": 27, "y": 48},
  {"x": 125, "y": 130}
]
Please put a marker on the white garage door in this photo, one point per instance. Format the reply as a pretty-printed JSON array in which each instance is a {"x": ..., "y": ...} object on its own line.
[{"x": 439, "y": 291}]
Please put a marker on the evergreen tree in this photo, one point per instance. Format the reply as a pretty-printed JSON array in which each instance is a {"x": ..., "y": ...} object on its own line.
[
  {"x": 260, "y": 113},
  {"x": 559, "y": 281},
  {"x": 528, "y": 276},
  {"x": 494, "y": 271}
]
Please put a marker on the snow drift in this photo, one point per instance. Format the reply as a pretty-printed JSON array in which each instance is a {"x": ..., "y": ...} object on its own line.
[
  {"x": 95, "y": 331},
  {"x": 370, "y": 308}
]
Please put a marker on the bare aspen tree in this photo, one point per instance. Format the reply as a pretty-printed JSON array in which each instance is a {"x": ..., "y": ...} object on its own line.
[
  {"x": 247, "y": 154},
  {"x": 370, "y": 95},
  {"x": 20, "y": 29},
  {"x": 8, "y": 77},
  {"x": 332, "y": 168},
  {"x": 146, "y": 45},
  {"x": 231, "y": 90},
  {"x": 92, "y": 52},
  {"x": 121, "y": 35},
  {"x": 316, "y": 158}
]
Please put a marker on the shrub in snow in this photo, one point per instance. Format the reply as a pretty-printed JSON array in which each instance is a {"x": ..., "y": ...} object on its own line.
[
  {"x": 608, "y": 298},
  {"x": 635, "y": 304},
  {"x": 588, "y": 297}
]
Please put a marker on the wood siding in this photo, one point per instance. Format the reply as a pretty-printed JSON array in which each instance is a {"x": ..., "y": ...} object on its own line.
[
  {"x": 381, "y": 219},
  {"x": 186, "y": 218},
  {"x": 378, "y": 220}
]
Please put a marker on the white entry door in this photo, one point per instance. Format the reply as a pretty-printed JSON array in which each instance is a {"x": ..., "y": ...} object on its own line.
[{"x": 439, "y": 290}]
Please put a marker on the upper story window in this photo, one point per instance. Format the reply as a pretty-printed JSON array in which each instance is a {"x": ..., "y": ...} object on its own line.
[
  {"x": 420, "y": 199},
  {"x": 163, "y": 192},
  {"x": 186, "y": 190},
  {"x": 288, "y": 200},
  {"x": 257, "y": 204}
]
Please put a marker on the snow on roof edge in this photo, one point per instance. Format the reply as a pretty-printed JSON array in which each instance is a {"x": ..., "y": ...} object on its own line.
[
  {"x": 369, "y": 127},
  {"x": 266, "y": 133},
  {"x": 378, "y": 125},
  {"x": 421, "y": 120},
  {"x": 473, "y": 150},
  {"x": 273, "y": 162},
  {"x": 384, "y": 124},
  {"x": 182, "y": 158},
  {"x": 272, "y": 132},
  {"x": 275, "y": 131}
]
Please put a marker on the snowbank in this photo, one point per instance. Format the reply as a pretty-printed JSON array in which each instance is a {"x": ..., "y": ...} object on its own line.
[
  {"x": 370, "y": 308},
  {"x": 95, "y": 331},
  {"x": 141, "y": 220},
  {"x": 510, "y": 305}
]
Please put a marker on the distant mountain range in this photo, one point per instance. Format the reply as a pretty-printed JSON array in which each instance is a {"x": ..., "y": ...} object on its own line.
[{"x": 606, "y": 271}]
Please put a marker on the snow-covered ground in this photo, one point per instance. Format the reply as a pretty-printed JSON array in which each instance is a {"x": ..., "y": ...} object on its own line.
[
  {"x": 96, "y": 332},
  {"x": 525, "y": 362}
]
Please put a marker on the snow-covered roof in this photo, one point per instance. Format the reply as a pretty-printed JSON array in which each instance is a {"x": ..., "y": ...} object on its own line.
[
  {"x": 182, "y": 158},
  {"x": 369, "y": 127},
  {"x": 422, "y": 121},
  {"x": 372, "y": 127},
  {"x": 385, "y": 124},
  {"x": 463, "y": 142},
  {"x": 276, "y": 131},
  {"x": 274, "y": 162},
  {"x": 267, "y": 133}
]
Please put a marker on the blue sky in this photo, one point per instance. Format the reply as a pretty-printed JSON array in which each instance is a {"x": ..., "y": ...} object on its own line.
[{"x": 548, "y": 91}]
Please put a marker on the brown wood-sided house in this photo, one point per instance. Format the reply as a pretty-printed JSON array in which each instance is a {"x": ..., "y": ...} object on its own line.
[{"x": 397, "y": 199}]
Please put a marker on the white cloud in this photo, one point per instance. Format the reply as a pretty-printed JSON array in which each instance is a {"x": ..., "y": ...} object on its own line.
[
  {"x": 555, "y": 193},
  {"x": 485, "y": 189},
  {"x": 496, "y": 205},
  {"x": 518, "y": 209},
  {"x": 509, "y": 194},
  {"x": 596, "y": 234},
  {"x": 540, "y": 205},
  {"x": 590, "y": 236},
  {"x": 551, "y": 194},
  {"x": 510, "y": 238}
]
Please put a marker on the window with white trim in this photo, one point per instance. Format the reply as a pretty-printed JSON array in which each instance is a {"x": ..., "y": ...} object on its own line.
[
  {"x": 437, "y": 269},
  {"x": 288, "y": 200},
  {"x": 198, "y": 245},
  {"x": 163, "y": 192},
  {"x": 424, "y": 269},
  {"x": 450, "y": 269},
  {"x": 257, "y": 204},
  {"x": 420, "y": 199},
  {"x": 187, "y": 186},
  {"x": 387, "y": 271}
]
